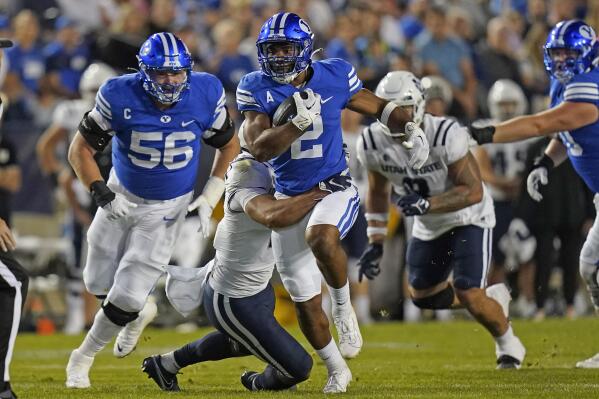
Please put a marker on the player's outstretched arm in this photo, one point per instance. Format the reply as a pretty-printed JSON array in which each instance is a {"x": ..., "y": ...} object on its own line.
[
  {"x": 565, "y": 117},
  {"x": 273, "y": 213},
  {"x": 467, "y": 190},
  {"x": 367, "y": 103},
  {"x": 81, "y": 158}
]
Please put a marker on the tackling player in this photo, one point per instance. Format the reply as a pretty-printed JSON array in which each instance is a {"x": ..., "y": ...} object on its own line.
[
  {"x": 237, "y": 297},
  {"x": 308, "y": 150},
  {"x": 156, "y": 118},
  {"x": 453, "y": 216},
  {"x": 571, "y": 58}
]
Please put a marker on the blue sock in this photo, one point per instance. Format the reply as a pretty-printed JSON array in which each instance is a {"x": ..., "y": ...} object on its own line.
[{"x": 214, "y": 346}]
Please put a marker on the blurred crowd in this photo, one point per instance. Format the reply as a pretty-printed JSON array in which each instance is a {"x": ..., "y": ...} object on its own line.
[{"x": 462, "y": 47}]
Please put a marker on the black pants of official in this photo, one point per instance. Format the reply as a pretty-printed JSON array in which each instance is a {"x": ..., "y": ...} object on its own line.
[{"x": 13, "y": 290}]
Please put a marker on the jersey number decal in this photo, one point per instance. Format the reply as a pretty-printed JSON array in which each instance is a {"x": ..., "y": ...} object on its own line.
[
  {"x": 416, "y": 186},
  {"x": 574, "y": 148},
  {"x": 170, "y": 151},
  {"x": 316, "y": 150}
]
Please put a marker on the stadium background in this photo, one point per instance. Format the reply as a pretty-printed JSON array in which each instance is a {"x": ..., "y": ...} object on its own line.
[{"x": 56, "y": 39}]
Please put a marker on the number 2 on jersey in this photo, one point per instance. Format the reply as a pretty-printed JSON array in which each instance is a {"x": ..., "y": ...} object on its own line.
[
  {"x": 170, "y": 150},
  {"x": 313, "y": 152}
]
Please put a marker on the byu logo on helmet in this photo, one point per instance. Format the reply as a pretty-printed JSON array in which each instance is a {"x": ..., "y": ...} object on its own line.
[
  {"x": 164, "y": 54},
  {"x": 284, "y": 46},
  {"x": 571, "y": 49}
]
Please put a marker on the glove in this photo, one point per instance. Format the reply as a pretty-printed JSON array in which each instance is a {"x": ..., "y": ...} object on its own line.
[
  {"x": 336, "y": 183},
  {"x": 204, "y": 212},
  {"x": 308, "y": 109},
  {"x": 413, "y": 204},
  {"x": 482, "y": 135},
  {"x": 116, "y": 205},
  {"x": 537, "y": 175},
  {"x": 417, "y": 144},
  {"x": 369, "y": 261}
]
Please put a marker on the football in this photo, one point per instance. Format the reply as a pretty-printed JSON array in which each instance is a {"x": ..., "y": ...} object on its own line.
[{"x": 286, "y": 110}]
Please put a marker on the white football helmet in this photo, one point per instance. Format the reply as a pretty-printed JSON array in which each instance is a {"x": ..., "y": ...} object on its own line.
[
  {"x": 506, "y": 100},
  {"x": 437, "y": 87},
  {"x": 93, "y": 77},
  {"x": 404, "y": 89}
]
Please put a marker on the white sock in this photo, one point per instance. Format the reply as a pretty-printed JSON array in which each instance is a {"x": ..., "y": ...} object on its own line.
[
  {"x": 327, "y": 305},
  {"x": 505, "y": 338},
  {"x": 101, "y": 333},
  {"x": 362, "y": 307},
  {"x": 340, "y": 298},
  {"x": 169, "y": 363},
  {"x": 331, "y": 357}
]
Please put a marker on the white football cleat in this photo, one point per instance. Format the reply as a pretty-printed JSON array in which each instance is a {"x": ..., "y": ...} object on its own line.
[
  {"x": 348, "y": 331},
  {"x": 510, "y": 356},
  {"x": 78, "y": 370},
  {"x": 501, "y": 294},
  {"x": 590, "y": 363},
  {"x": 126, "y": 340},
  {"x": 338, "y": 381}
]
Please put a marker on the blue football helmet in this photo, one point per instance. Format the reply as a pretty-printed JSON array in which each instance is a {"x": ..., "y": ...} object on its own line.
[
  {"x": 581, "y": 41},
  {"x": 280, "y": 29},
  {"x": 164, "y": 52}
]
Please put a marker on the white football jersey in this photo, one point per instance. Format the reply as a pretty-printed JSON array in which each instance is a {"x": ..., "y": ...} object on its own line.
[
  {"x": 449, "y": 142},
  {"x": 244, "y": 261},
  {"x": 69, "y": 113}
]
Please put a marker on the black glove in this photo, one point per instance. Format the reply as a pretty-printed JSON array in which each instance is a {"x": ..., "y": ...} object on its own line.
[
  {"x": 101, "y": 194},
  {"x": 413, "y": 204},
  {"x": 369, "y": 261},
  {"x": 336, "y": 183},
  {"x": 482, "y": 135}
]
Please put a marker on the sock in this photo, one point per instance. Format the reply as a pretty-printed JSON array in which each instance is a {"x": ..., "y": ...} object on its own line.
[
  {"x": 362, "y": 307},
  {"x": 169, "y": 363},
  {"x": 327, "y": 305},
  {"x": 340, "y": 297},
  {"x": 214, "y": 346},
  {"x": 331, "y": 357},
  {"x": 505, "y": 338},
  {"x": 101, "y": 333}
]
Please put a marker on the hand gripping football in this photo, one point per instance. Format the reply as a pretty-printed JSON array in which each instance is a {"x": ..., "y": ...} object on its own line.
[{"x": 286, "y": 110}]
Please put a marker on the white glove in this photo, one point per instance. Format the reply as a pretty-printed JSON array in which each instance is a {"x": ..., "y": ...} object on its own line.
[
  {"x": 119, "y": 207},
  {"x": 204, "y": 212},
  {"x": 536, "y": 176},
  {"x": 307, "y": 109},
  {"x": 417, "y": 144}
]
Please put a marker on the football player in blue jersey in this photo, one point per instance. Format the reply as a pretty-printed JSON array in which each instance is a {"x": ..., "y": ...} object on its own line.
[
  {"x": 155, "y": 119},
  {"x": 308, "y": 150},
  {"x": 571, "y": 58}
]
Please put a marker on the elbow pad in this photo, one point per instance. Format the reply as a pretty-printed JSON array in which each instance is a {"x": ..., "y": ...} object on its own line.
[
  {"x": 219, "y": 137},
  {"x": 95, "y": 136}
]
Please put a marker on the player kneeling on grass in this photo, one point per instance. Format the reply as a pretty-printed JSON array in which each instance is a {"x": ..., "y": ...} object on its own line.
[
  {"x": 453, "y": 216},
  {"x": 237, "y": 297}
]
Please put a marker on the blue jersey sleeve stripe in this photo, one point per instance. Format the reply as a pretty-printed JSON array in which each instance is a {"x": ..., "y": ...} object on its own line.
[
  {"x": 581, "y": 91},
  {"x": 103, "y": 113},
  {"x": 101, "y": 98},
  {"x": 352, "y": 72},
  {"x": 245, "y": 98},
  {"x": 356, "y": 86},
  {"x": 581, "y": 84},
  {"x": 102, "y": 107},
  {"x": 582, "y": 98},
  {"x": 240, "y": 101},
  {"x": 243, "y": 92},
  {"x": 353, "y": 80}
]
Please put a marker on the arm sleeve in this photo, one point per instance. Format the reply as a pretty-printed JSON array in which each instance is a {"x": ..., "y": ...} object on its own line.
[
  {"x": 245, "y": 98},
  {"x": 581, "y": 91},
  {"x": 242, "y": 196}
]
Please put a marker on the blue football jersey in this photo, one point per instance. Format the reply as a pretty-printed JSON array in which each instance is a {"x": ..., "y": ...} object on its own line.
[
  {"x": 318, "y": 153},
  {"x": 155, "y": 153},
  {"x": 582, "y": 143}
]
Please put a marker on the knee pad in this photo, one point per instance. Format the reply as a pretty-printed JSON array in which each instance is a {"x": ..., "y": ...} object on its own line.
[
  {"x": 118, "y": 316},
  {"x": 588, "y": 272},
  {"x": 441, "y": 300}
]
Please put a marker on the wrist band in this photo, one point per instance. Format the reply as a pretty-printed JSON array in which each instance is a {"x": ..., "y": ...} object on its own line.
[
  {"x": 377, "y": 217},
  {"x": 213, "y": 190},
  {"x": 387, "y": 112},
  {"x": 546, "y": 162},
  {"x": 373, "y": 231}
]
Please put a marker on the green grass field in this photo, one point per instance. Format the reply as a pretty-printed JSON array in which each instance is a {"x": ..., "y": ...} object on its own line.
[{"x": 431, "y": 360}]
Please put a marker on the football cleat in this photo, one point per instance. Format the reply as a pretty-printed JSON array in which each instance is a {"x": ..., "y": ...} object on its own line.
[
  {"x": 590, "y": 363},
  {"x": 511, "y": 356},
  {"x": 152, "y": 366},
  {"x": 8, "y": 392},
  {"x": 248, "y": 379},
  {"x": 127, "y": 338},
  {"x": 501, "y": 294},
  {"x": 338, "y": 381},
  {"x": 78, "y": 370},
  {"x": 348, "y": 330}
]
